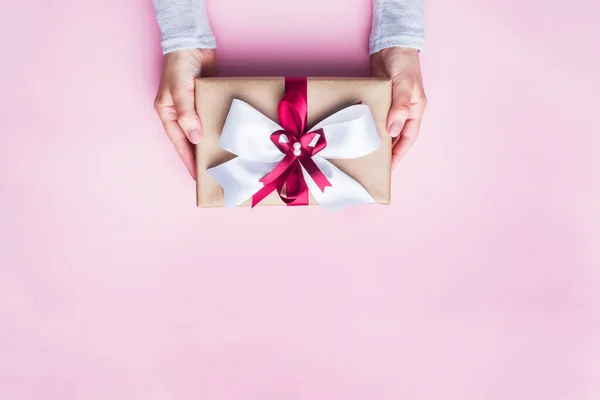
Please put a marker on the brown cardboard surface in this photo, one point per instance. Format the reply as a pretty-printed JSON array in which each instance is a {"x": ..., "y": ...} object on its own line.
[{"x": 325, "y": 97}]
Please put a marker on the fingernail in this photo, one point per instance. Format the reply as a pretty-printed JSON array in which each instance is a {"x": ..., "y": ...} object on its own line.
[
  {"x": 194, "y": 136},
  {"x": 395, "y": 129}
]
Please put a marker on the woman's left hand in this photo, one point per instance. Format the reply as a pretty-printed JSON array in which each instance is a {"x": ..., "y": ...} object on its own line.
[{"x": 408, "y": 96}]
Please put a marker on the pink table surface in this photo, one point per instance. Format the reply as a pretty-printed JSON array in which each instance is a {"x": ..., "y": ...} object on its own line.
[{"x": 480, "y": 282}]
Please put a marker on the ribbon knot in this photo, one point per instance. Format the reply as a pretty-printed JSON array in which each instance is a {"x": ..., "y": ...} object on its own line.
[
  {"x": 298, "y": 146},
  {"x": 287, "y": 177}
]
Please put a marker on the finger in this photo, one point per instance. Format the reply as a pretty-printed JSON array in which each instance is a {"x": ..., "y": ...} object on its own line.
[
  {"x": 183, "y": 98},
  {"x": 400, "y": 110},
  {"x": 183, "y": 146},
  {"x": 406, "y": 140}
]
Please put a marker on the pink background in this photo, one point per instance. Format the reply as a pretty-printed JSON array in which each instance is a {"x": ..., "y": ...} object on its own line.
[{"x": 482, "y": 280}]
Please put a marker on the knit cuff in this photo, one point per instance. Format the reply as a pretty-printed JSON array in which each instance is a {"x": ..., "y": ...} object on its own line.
[
  {"x": 413, "y": 42},
  {"x": 187, "y": 42}
]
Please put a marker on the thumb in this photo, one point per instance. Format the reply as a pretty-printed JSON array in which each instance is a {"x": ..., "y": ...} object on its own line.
[
  {"x": 185, "y": 105},
  {"x": 400, "y": 110}
]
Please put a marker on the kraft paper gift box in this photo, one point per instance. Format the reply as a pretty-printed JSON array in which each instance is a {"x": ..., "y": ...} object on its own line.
[{"x": 325, "y": 96}]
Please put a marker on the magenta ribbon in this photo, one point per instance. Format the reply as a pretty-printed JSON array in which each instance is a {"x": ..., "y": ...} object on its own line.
[{"x": 295, "y": 143}]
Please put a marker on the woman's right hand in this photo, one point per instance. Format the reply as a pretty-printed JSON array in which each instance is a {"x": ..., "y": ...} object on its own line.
[{"x": 175, "y": 100}]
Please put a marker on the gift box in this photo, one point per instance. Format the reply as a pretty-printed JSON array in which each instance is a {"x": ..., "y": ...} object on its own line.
[{"x": 294, "y": 141}]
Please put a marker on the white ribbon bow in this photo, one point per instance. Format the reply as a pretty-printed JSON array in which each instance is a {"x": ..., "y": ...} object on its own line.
[{"x": 350, "y": 133}]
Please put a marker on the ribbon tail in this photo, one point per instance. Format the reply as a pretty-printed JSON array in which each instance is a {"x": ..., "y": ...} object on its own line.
[
  {"x": 315, "y": 173},
  {"x": 344, "y": 190},
  {"x": 264, "y": 192},
  {"x": 240, "y": 179},
  {"x": 279, "y": 170},
  {"x": 274, "y": 180},
  {"x": 296, "y": 189}
]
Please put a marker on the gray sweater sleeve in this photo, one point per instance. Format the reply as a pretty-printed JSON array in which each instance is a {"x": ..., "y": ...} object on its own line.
[
  {"x": 397, "y": 23},
  {"x": 184, "y": 24}
]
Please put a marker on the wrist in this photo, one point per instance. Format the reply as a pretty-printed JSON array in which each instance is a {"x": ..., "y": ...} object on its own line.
[
  {"x": 198, "y": 53},
  {"x": 197, "y": 57},
  {"x": 398, "y": 50}
]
